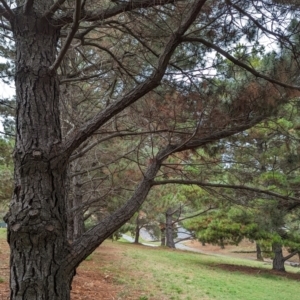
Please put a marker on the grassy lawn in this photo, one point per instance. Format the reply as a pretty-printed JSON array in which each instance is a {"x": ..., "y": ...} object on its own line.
[
  {"x": 123, "y": 271},
  {"x": 168, "y": 274},
  {"x": 3, "y": 233}
]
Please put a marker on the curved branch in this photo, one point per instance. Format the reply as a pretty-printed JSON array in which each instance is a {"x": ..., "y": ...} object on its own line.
[
  {"x": 5, "y": 27},
  {"x": 28, "y": 6},
  {"x": 83, "y": 78},
  {"x": 258, "y": 25},
  {"x": 102, "y": 14},
  {"x": 69, "y": 38},
  {"x": 196, "y": 214},
  {"x": 218, "y": 135},
  {"x": 53, "y": 9},
  {"x": 109, "y": 53},
  {"x": 237, "y": 62},
  {"x": 90, "y": 240},
  {"x": 101, "y": 166},
  {"x": 111, "y": 136},
  {"x": 8, "y": 134},
  {"x": 226, "y": 186},
  {"x": 290, "y": 255},
  {"x": 141, "y": 89},
  {"x": 5, "y": 11}
]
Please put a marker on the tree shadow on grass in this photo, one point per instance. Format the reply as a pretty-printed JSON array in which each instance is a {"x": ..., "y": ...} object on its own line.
[{"x": 272, "y": 274}]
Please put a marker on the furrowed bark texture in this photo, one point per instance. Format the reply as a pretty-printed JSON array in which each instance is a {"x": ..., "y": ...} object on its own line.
[
  {"x": 278, "y": 261},
  {"x": 37, "y": 217}
]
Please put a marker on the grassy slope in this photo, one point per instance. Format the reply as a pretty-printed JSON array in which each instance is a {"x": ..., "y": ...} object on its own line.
[
  {"x": 164, "y": 274},
  {"x": 145, "y": 273},
  {"x": 3, "y": 233}
]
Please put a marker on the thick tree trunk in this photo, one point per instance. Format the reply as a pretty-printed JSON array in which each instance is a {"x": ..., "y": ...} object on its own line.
[
  {"x": 278, "y": 261},
  {"x": 169, "y": 229},
  {"x": 36, "y": 220}
]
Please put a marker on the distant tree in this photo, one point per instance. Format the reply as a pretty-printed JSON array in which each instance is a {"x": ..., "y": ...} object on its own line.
[{"x": 260, "y": 185}]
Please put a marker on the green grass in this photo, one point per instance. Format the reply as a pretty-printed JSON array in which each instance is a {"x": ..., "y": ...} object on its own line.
[
  {"x": 3, "y": 232},
  {"x": 89, "y": 258},
  {"x": 147, "y": 273},
  {"x": 175, "y": 275}
]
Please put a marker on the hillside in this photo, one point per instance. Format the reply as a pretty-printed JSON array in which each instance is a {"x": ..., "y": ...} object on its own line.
[{"x": 124, "y": 271}]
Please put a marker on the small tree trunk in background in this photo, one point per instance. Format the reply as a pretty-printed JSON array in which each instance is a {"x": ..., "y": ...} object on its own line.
[
  {"x": 258, "y": 253},
  {"x": 137, "y": 230},
  {"x": 278, "y": 261},
  {"x": 163, "y": 236},
  {"x": 169, "y": 229},
  {"x": 222, "y": 243}
]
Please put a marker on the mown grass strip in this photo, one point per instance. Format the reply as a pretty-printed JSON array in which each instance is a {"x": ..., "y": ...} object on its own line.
[{"x": 162, "y": 274}]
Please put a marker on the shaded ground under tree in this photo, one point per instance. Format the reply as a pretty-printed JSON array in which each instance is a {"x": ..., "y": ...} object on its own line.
[{"x": 92, "y": 281}]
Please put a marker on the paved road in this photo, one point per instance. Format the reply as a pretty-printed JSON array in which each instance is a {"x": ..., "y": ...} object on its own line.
[{"x": 178, "y": 245}]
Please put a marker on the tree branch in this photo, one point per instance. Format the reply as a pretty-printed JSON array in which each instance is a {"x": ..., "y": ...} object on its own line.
[
  {"x": 149, "y": 84},
  {"x": 197, "y": 214},
  {"x": 8, "y": 134},
  {"x": 237, "y": 62},
  {"x": 290, "y": 255},
  {"x": 94, "y": 237},
  {"x": 198, "y": 142},
  {"x": 226, "y": 186},
  {"x": 102, "y": 14},
  {"x": 69, "y": 38},
  {"x": 83, "y": 78},
  {"x": 5, "y": 11},
  {"x": 111, "y": 136},
  {"x": 258, "y": 25},
  {"x": 5, "y": 27},
  {"x": 183, "y": 239},
  {"x": 28, "y": 6},
  {"x": 101, "y": 166},
  {"x": 111, "y": 54},
  {"x": 90, "y": 240},
  {"x": 53, "y": 9}
]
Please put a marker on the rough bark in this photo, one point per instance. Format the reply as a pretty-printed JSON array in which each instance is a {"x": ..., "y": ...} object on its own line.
[
  {"x": 37, "y": 216},
  {"x": 278, "y": 261}
]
